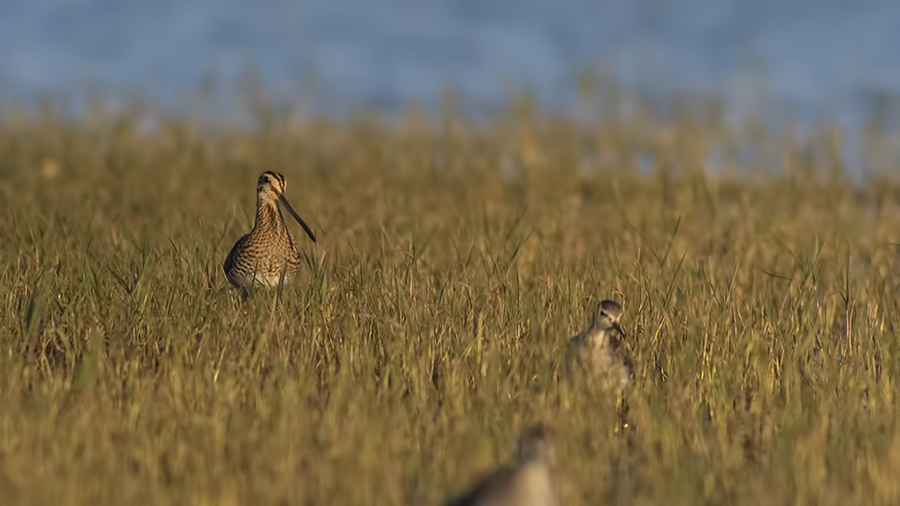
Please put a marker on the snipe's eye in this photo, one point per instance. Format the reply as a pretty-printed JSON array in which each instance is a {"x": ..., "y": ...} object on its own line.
[{"x": 265, "y": 179}]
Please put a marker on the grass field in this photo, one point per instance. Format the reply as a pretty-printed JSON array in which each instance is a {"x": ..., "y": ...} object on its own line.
[{"x": 454, "y": 262}]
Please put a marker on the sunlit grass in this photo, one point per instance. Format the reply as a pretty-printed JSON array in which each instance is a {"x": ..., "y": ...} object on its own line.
[{"x": 454, "y": 261}]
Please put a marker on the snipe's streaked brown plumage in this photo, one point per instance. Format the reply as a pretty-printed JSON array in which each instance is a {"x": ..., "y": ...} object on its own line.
[
  {"x": 268, "y": 254},
  {"x": 600, "y": 352},
  {"x": 527, "y": 481}
]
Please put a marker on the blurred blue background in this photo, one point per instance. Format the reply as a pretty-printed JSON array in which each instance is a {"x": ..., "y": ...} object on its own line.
[{"x": 808, "y": 59}]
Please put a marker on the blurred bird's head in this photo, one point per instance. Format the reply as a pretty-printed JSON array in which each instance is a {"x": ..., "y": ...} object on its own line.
[
  {"x": 535, "y": 444},
  {"x": 607, "y": 317}
]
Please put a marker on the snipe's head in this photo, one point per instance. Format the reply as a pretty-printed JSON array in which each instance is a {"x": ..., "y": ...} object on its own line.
[
  {"x": 270, "y": 189},
  {"x": 534, "y": 444},
  {"x": 607, "y": 317}
]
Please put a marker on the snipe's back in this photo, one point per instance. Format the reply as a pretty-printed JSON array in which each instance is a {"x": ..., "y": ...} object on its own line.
[{"x": 268, "y": 254}]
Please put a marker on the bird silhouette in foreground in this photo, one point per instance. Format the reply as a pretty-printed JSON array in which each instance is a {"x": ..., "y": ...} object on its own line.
[
  {"x": 268, "y": 255},
  {"x": 599, "y": 353},
  {"x": 526, "y": 481}
]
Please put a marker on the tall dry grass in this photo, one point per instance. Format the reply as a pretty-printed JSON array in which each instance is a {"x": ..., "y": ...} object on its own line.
[{"x": 759, "y": 279}]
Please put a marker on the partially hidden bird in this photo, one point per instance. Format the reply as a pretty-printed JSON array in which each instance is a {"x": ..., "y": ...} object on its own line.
[
  {"x": 526, "y": 481},
  {"x": 599, "y": 353}
]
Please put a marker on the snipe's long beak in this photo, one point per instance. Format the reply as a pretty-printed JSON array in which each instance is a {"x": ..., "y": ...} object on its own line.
[
  {"x": 619, "y": 329},
  {"x": 297, "y": 217}
]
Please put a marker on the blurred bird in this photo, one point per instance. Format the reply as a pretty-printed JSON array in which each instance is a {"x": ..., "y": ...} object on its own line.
[
  {"x": 599, "y": 351},
  {"x": 268, "y": 255},
  {"x": 527, "y": 481}
]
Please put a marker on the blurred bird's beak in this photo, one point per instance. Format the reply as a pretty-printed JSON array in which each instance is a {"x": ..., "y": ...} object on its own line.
[
  {"x": 618, "y": 329},
  {"x": 297, "y": 217}
]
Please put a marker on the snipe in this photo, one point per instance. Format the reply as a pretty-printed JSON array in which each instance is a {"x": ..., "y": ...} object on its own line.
[
  {"x": 268, "y": 255},
  {"x": 527, "y": 481}
]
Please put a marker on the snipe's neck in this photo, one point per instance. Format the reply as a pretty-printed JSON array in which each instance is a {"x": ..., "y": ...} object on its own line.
[{"x": 268, "y": 214}]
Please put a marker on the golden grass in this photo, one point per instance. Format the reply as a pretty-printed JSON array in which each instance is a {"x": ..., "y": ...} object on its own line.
[{"x": 454, "y": 262}]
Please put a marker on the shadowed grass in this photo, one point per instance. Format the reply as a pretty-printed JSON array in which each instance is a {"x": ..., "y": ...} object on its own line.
[{"x": 454, "y": 263}]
